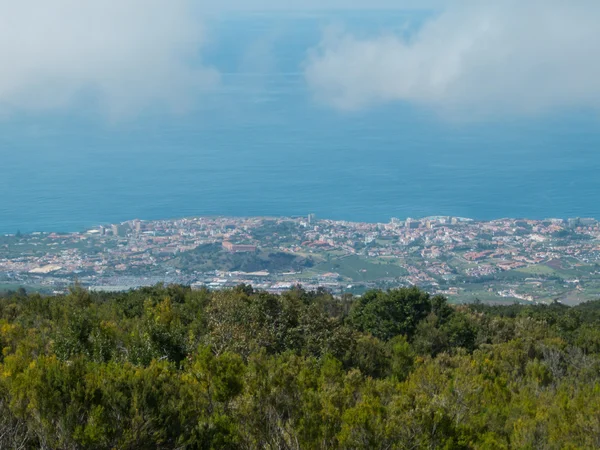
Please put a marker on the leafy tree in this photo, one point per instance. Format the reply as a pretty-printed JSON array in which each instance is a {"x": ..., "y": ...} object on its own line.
[
  {"x": 168, "y": 367},
  {"x": 392, "y": 313}
]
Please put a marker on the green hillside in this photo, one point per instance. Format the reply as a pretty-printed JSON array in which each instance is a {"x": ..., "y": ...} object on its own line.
[{"x": 171, "y": 368}]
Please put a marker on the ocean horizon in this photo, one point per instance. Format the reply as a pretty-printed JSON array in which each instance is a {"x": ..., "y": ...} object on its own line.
[{"x": 263, "y": 145}]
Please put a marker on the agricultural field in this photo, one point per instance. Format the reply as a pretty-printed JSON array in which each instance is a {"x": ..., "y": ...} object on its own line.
[{"x": 362, "y": 269}]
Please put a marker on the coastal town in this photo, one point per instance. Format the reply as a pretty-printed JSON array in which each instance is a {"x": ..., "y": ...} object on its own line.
[{"x": 504, "y": 260}]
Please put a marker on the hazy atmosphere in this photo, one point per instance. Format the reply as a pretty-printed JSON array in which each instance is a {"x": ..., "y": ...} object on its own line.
[
  {"x": 157, "y": 108},
  {"x": 463, "y": 58}
]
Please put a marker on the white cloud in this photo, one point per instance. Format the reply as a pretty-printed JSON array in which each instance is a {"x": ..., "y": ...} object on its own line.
[
  {"x": 473, "y": 58},
  {"x": 321, "y": 5},
  {"x": 127, "y": 54}
]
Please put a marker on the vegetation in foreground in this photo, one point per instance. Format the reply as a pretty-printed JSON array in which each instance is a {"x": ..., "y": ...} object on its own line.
[{"x": 168, "y": 367}]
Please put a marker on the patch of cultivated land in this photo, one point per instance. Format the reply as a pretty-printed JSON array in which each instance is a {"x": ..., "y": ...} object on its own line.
[
  {"x": 361, "y": 269},
  {"x": 539, "y": 269}
]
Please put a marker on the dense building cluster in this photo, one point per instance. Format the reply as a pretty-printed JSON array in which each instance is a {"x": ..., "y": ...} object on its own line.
[{"x": 550, "y": 259}]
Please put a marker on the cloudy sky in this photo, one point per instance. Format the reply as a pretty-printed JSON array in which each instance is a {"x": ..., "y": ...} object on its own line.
[
  {"x": 320, "y": 5},
  {"x": 475, "y": 57},
  {"x": 471, "y": 57},
  {"x": 126, "y": 54}
]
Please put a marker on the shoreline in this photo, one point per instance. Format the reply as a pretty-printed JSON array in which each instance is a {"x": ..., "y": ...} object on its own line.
[{"x": 89, "y": 228}]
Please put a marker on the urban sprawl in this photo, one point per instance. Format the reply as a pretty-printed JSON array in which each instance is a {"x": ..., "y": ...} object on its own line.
[{"x": 503, "y": 260}]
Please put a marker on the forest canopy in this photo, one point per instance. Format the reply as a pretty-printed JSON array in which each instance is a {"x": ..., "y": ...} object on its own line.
[{"x": 170, "y": 367}]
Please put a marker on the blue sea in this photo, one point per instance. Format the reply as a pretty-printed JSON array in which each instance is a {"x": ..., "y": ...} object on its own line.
[{"x": 262, "y": 145}]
